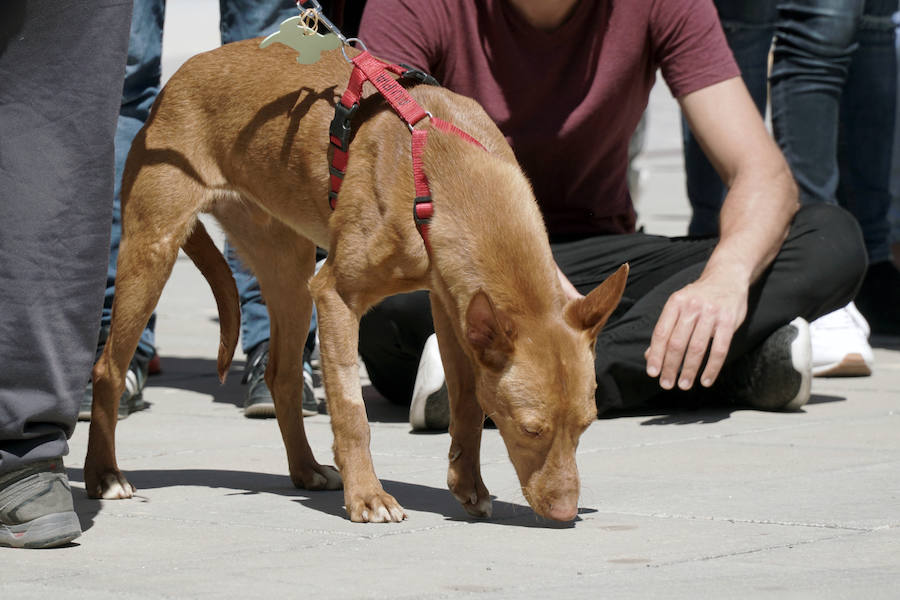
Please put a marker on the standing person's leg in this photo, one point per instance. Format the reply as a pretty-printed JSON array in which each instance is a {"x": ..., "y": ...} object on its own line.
[
  {"x": 61, "y": 66},
  {"x": 895, "y": 160},
  {"x": 143, "y": 71},
  {"x": 864, "y": 154},
  {"x": 813, "y": 48},
  {"x": 239, "y": 20},
  {"x": 814, "y": 45},
  {"x": 749, "y": 26}
]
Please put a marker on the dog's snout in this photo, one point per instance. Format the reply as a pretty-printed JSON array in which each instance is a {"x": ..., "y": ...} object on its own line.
[{"x": 563, "y": 510}]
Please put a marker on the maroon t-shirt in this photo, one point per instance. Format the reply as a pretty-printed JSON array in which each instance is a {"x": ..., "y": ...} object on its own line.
[{"x": 567, "y": 100}]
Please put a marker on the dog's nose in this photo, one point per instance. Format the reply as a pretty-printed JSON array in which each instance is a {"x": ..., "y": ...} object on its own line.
[{"x": 563, "y": 510}]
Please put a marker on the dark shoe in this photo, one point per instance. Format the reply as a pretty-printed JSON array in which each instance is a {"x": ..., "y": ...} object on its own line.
[
  {"x": 259, "y": 403},
  {"x": 879, "y": 298},
  {"x": 132, "y": 399},
  {"x": 429, "y": 408},
  {"x": 36, "y": 508},
  {"x": 775, "y": 376}
]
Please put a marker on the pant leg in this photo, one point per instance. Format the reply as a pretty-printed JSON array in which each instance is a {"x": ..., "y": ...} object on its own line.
[
  {"x": 866, "y": 129},
  {"x": 391, "y": 338},
  {"x": 814, "y": 45},
  {"x": 817, "y": 270},
  {"x": 61, "y": 69},
  {"x": 254, "y": 314},
  {"x": 749, "y": 26},
  {"x": 894, "y": 214},
  {"x": 239, "y": 20},
  {"x": 243, "y": 19},
  {"x": 143, "y": 72}
]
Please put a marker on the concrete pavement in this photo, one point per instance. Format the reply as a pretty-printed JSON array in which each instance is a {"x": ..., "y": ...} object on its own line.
[{"x": 716, "y": 503}]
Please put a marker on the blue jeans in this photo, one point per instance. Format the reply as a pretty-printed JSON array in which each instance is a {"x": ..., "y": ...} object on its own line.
[
  {"x": 240, "y": 19},
  {"x": 749, "y": 26},
  {"x": 834, "y": 93},
  {"x": 895, "y": 161},
  {"x": 833, "y": 87}
]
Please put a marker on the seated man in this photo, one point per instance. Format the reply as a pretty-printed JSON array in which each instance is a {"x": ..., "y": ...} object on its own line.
[{"x": 567, "y": 82}]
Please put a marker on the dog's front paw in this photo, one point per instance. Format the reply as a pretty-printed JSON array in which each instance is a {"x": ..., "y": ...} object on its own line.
[
  {"x": 318, "y": 477},
  {"x": 467, "y": 487},
  {"x": 374, "y": 507},
  {"x": 111, "y": 485}
]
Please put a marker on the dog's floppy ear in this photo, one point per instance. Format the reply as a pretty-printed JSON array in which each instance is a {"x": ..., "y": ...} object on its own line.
[
  {"x": 489, "y": 331},
  {"x": 591, "y": 312}
]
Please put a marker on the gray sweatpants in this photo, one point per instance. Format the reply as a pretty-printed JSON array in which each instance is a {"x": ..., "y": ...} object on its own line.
[{"x": 61, "y": 69}]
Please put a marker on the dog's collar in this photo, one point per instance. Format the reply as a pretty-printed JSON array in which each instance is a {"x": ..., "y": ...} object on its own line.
[{"x": 368, "y": 68}]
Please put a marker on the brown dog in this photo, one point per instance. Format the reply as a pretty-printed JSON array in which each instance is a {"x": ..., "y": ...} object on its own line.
[{"x": 242, "y": 133}]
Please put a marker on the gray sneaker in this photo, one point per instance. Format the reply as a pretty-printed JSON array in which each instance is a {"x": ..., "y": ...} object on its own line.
[
  {"x": 259, "y": 403},
  {"x": 778, "y": 374},
  {"x": 36, "y": 509}
]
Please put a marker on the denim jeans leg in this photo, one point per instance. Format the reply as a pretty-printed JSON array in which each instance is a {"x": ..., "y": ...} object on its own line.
[
  {"x": 866, "y": 131},
  {"x": 895, "y": 160},
  {"x": 142, "y": 81},
  {"x": 243, "y": 19},
  {"x": 749, "y": 26},
  {"x": 814, "y": 45},
  {"x": 254, "y": 314}
]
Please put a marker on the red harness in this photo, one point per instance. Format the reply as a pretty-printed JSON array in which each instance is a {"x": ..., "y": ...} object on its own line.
[{"x": 368, "y": 68}]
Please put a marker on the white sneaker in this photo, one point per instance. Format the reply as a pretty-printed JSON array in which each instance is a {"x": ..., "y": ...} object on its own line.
[
  {"x": 840, "y": 346},
  {"x": 430, "y": 406}
]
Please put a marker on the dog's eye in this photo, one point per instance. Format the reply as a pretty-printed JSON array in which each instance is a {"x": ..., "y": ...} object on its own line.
[{"x": 532, "y": 430}]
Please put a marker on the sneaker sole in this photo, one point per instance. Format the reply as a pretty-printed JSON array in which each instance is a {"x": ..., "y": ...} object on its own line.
[
  {"x": 48, "y": 531},
  {"x": 852, "y": 365},
  {"x": 801, "y": 359}
]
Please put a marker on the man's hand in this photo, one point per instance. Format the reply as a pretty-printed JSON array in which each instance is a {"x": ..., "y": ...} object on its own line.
[
  {"x": 753, "y": 223},
  {"x": 703, "y": 315}
]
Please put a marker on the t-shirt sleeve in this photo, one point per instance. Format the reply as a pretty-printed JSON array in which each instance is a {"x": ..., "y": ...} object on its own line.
[
  {"x": 689, "y": 45},
  {"x": 404, "y": 31}
]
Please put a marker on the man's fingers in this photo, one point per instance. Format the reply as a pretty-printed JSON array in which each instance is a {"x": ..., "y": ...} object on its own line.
[
  {"x": 660, "y": 338},
  {"x": 675, "y": 349},
  {"x": 717, "y": 353},
  {"x": 696, "y": 350}
]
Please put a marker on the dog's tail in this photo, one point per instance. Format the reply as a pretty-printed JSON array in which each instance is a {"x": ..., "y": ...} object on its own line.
[{"x": 201, "y": 249}]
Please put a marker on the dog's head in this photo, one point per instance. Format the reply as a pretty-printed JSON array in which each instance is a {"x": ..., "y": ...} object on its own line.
[{"x": 535, "y": 379}]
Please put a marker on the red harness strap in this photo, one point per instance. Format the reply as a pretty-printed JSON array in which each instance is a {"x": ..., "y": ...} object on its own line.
[{"x": 369, "y": 68}]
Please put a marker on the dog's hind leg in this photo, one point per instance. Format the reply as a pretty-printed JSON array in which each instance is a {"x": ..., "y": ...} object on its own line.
[
  {"x": 152, "y": 233},
  {"x": 364, "y": 497},
  {"x": 283, "y": 262},
  {"x": 466, "y": 418}
]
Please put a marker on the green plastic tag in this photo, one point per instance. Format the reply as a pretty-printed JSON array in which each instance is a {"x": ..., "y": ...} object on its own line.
[{"x": 309, "y": 43}]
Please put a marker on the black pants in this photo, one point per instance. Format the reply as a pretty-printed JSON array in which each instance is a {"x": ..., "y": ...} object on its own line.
[
  {"x": 62, "y": 63},
  {"x": 818, "y": 270}
]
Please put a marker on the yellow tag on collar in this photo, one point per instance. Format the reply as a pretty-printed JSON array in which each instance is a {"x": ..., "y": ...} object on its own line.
[{"x": 310, "y": 44}]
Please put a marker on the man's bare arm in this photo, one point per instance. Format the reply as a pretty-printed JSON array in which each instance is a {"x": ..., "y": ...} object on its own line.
[{"x": 753, "y": 223}]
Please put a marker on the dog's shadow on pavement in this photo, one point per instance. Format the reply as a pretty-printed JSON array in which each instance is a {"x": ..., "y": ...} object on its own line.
[{"x": 412, "y": 496}]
